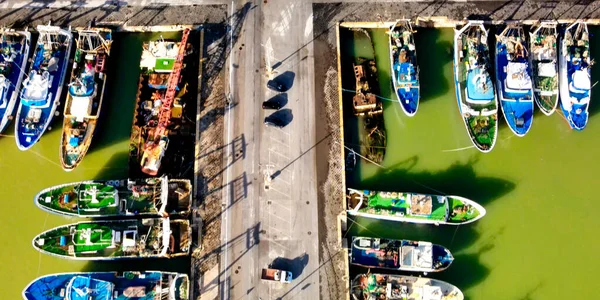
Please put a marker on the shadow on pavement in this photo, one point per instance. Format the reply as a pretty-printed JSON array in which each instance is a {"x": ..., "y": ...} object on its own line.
[{"x": 296, "y": 265}]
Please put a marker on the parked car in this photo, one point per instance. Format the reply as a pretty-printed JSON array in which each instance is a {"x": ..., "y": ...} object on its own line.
[
  {"x": 274, "y": 122},
  {"x": 271, "y": 104},
  {"x": 276, "y": 86}
]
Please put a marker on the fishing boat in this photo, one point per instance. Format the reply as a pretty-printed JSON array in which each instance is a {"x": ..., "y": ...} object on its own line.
[
  {"x": 477, "y": 102},
  {"x": 117, "y": 239},
  {"x": 161, "y": 66},
  {"x": 405, "y": 72},
  {"x": 402, "y": 255},
  {"x": 14, "y": 50},
  {"x": 575, "y": 77},
  {"x": 380, "y": 286},
  {"x": 85, "y": 93},
  {"x": 43, "y": 86},
  {"x": 514, "y": 80},
  {"x": 413, "y": 208},
  {"x": 109, "y": 286},
  {"x": 157, "y": 197},
  {"x": 544, "y": 64}
]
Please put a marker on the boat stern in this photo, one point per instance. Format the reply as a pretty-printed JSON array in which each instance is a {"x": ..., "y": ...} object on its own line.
[
  {"x": 408, "y": 97},
  {"x": 518, "y": 116}
]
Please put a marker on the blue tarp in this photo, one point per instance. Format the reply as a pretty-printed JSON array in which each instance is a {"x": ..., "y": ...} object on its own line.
[
  {"x": 88, "y": 82},
  {"x": 39, "y": 57},
  {"x": 477, "y": 94},
  {"x": 85, "y": 288}
]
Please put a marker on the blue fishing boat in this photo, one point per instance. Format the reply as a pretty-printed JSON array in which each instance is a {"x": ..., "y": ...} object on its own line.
[
  {"x": 14, "y": 50},
  {"x": 477, "y": 102},
  {"x": 405, "y": 72},
  {"x": 403, "y": 255},
  {"x": 513, "y": 75},
  {"x": 575, "y": 77},
  {"x": 148, "y": 285},
  {"x": 43, "y": 85}
]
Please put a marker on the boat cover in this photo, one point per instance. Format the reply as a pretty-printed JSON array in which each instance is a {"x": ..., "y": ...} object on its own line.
[
  {"x": 479, "y": 88},
  {"x": 420, "y": 256},
  {"x": 85, "y": 288},
  {"x": 543, "y": 53},
  {"x": 39, "y": 57},
  {"x": 581, "y": 80},
  {"x": 547, "y": 69},
  {"x": 81, "y": 107},
  {"x": 83, "y": 87},
  {"x": 517, "y": 76},
  {"x": 406, "y": 73},
  {"x": 432, "y": 292},
  {"x": 35, "y": 89}
]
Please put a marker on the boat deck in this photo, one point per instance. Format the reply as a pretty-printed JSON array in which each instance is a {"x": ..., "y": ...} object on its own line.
[
  {"x": 133, "y": 197},
  {"x": 117, "y": 239},
  {"x": 405, "y": 204}
]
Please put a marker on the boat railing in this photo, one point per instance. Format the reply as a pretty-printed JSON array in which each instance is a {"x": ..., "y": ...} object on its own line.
[{"x": 361, "y": 197}]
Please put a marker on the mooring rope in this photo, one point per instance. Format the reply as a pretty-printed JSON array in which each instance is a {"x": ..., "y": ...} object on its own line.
[{"x": 47, "y": 159}]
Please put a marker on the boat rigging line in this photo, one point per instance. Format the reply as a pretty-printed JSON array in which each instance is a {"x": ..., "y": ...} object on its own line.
[{"x": 362, "y": 156}]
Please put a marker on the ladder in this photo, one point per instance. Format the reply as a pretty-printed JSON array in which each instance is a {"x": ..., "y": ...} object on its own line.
[
  {"x": 164, "y": 114},
  {"x": 101, "y": 58}
]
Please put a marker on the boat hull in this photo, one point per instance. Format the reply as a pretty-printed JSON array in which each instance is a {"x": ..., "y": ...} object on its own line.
[
  {"x": 517, "y": 106},
  {"x": 369, "y": 210},
  {"x": 405, "y": 73},
  {"x": 473, "y": 115},
  {"x": 399, "y": 255},
  {"x": 28, "y": 132},
  {"x": 110, "y": 285},
  {"x": 574, "y": 104},
  {"x": 11, "y": 89},
  {"x": 70, "y": 156},
  {"x": 128, "y": 202}
]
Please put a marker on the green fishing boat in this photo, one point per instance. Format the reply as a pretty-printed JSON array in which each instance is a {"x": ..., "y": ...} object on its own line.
[
  {"x": 118, "y": 239},
  {"x": 414, "y": 208},
  {"x": 98, "y": 198}
]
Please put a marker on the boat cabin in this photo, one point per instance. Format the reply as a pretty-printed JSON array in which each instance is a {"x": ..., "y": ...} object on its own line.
[
  {"x": 35, "y": 90},
  {"x": 159, "y": 56},
  {"x": 365, "y": 102}
]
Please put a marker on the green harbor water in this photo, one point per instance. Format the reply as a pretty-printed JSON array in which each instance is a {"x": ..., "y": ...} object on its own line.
[
  {"x": 23, "y": 174},
  {"x": 539, "y": 238}
]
